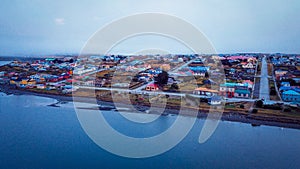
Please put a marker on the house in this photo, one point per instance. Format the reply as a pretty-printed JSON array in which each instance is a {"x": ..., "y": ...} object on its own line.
[
  {"x": 41, "y": 86},
  {"x": 232, "y": 71},
  {"x": 284, "y": 88},
  {"x": 205, "y": 92},
  {"x": 23, "y": 83},
  {"x": 291, "y": 96},
  {"x": 249, "y": 83},
  {"x": 227, "y": 89},
  {"x": 2, "y": 73},
  {"x": 215, "y": 100},
  {"x": 199, "y": 70},
  {"x": 285, "y": 84},
  {"x": 154, "y": 72},
  {"x": 248, "y": 65},
  {"x": 152, "y": 87},
  {"x": 279, "y": 73},
  {"x": 31, "y": 82},
  {"x": 242, "y": 93},
  {"x": 15, "y": 81},
  {"x": 296, "y": 80},
  {"x": 69, "y": 89},
  {"x": 171, "y": 80}
]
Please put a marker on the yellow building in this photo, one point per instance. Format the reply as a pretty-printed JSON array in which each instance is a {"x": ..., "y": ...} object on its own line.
[
  {"x": 31, "y": 82},
  {"x": 24, "y": 82}
]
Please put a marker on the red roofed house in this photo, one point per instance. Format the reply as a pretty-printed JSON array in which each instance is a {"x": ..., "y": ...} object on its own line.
[{"x": 152, "y": 87}]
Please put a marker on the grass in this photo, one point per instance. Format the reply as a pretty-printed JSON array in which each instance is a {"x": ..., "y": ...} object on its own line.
[
  {"x": 257, "y": 87},
  {"x": 273, "y": 97},
  {"x": 270, "y": 66},
  {"x": 259, "y": 69}
]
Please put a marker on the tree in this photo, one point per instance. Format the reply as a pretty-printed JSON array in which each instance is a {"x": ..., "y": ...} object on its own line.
[
  {"x": 259, "y": 103},
  {"x": 174, "y": 87},
  {"x": 206, "y": 75},
  {"x": 272, "y": 91},
  {"x": 242, "y": 106},
  {"x": 254, "y": 111},
  {"x": 162, "y": 78}
]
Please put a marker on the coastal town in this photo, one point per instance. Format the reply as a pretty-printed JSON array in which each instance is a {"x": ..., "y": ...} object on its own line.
[{"x": 259, "y": 84}]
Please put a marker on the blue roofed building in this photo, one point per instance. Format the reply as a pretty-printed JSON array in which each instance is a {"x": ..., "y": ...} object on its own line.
[
  {"x": 291, "y": 96},
  {"x": 242, "y": 93},
  {"x": 286, "y": 84}
]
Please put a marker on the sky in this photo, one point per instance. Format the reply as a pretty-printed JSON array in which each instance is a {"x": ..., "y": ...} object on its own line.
[{"x": 35, "y": 27}]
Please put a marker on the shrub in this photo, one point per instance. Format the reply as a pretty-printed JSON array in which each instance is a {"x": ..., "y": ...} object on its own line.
[
  {"x": 254, "y": 111},
  {"x": 259, "y": 103}
]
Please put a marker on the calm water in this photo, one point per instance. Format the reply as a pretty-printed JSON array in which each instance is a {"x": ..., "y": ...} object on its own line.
[
  {"x": 4, "y": 62},
  {"x": 34, "y": 135}
]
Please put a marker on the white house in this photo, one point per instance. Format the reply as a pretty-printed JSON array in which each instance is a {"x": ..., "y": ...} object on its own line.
[{"x": 248, "y": 65}]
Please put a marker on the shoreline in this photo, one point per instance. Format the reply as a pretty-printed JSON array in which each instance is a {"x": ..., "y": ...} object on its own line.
[{"x": 202, "y": 114}]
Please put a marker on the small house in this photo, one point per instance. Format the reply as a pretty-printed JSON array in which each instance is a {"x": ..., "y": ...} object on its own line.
[
  {"x": 242, "y": 93},
  {"x": 152, "y": 87},
  {"x": 2, "y": 73},
  {"x": 205, "y": 92},
  {"x": 248, "y": 65},
  {"x": 215, "y": 100},
  {"x": 41, "y": 86},
  {"x": 227, "y": 89}
]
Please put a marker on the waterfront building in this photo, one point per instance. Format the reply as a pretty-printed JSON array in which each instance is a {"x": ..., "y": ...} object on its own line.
[
  {"x": 291, "y": 96},
  {"x": 152, "y": 87},
  {"x": 205, "y": 92}
]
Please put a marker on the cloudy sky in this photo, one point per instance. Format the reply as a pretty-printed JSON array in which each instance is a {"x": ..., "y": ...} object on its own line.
[{"x": 47, "y": 27}]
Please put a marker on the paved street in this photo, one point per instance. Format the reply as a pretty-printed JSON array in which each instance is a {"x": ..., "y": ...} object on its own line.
[{"x": 264, "y": 92}]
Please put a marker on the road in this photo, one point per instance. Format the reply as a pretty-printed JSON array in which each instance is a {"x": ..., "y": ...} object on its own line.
[
  {"x": 264, "y": 91},
  {"x": 161, "y": 93}
]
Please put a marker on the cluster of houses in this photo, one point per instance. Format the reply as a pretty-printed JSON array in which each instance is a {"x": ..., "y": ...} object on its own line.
[
  {"x": 287, "y": 76},
  {"x": 60, "y": 73},
  {"x": 229, "y": 90},
  {"x": 43, "y": 74},
  {"x": 42, "y": 81},
  {"x": 239, "y": 72}
]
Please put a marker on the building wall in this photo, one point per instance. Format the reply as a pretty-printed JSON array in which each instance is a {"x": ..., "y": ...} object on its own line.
[
  {"x": 291, "y": 98},
  {"x": 241, "y": 95}
]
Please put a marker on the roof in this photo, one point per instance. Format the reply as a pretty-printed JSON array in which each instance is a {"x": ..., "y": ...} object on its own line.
[
  {"x": 199, "y": 68},
  {"x": 228, "y": 84},
  {"x": 291, "y": 92},
  {"x": 285, "y": 82},
  {"x": 216, "y": 98},
  {"x": 248, "y": 81},
  {"x": 296, "y": 78},
  {"x": 233, "y": 84},
  {"x": 242, "y": 91},
  {"x": 206, "y": 89},
  {"x": 152, "y": 85},
  {"x": 285, "y": 88}
]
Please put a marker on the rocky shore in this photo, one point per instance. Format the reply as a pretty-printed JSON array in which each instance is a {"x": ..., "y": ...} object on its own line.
[{"x": 234, "y": 116}]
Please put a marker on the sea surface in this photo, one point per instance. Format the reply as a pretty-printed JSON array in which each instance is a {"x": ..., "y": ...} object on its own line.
[
  {"x": 36, "y": 135},
  {"x": 4, "y": 62}
]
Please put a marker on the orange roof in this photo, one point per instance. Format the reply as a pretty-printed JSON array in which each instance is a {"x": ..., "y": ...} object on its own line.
[{"x": 206, "y": 90}]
